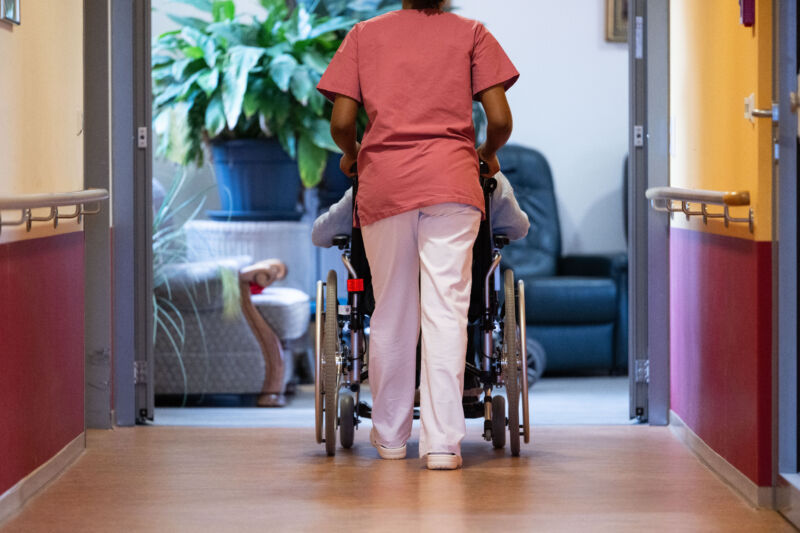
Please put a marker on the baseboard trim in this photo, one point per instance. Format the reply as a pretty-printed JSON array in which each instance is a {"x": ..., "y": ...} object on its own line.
[
  {"x": 763, "y": 497},
  {"x": 17, "y": 496}
]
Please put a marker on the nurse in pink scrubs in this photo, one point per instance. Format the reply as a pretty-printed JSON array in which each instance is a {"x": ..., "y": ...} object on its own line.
[{"x": 416, "y": 71}]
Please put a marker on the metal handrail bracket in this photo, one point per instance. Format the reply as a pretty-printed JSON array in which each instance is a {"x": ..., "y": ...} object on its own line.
[
  {"x": 662, "y": 198},
  {"x": 26, "y": 203}
]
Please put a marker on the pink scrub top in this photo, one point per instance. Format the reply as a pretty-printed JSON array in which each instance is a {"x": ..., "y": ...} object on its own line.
[{"x": 416, "y": 73}]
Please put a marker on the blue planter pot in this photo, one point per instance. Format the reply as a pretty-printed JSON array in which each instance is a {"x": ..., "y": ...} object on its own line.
[{"x": 257, "y": 180}]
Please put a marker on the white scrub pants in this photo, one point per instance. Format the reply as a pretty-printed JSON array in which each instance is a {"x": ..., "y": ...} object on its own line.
[{"x": 421, "y": 263}]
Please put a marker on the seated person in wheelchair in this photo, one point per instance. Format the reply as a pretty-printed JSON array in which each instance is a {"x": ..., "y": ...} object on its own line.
[
  {"x": 507, "y": 217},
  {"x": 416, "y": 71}
]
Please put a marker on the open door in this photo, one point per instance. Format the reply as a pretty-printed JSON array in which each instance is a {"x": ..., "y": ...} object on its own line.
[
  {"x": 143, "y": 215},
  {"x": 131, "y": 212},
  {"x": 787, "y": 96},
  {"x": 648, "y": 359}
]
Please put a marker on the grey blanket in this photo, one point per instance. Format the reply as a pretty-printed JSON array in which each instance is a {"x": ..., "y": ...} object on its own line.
[{"x": 507, "y": 218}]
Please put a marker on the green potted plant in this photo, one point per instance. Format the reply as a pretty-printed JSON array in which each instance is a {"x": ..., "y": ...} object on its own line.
[{"x": 246, "y": 86}]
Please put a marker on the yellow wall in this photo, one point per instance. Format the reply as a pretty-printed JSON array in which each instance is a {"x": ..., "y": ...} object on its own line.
[
  {"x": 41, "y": 99},
  {"x": 715, "y": 62}
]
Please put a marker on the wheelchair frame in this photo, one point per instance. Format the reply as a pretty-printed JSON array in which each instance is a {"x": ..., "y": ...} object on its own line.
[{"x": 502, "y": 361}]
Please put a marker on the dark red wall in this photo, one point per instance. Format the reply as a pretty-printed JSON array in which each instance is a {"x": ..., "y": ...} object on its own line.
[
  {"x": 41, "y": 351},
  {"x": 721, "y": 345}
]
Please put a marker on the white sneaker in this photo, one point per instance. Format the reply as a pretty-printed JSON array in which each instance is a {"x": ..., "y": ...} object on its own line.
[
  {"x": 443, "y": 461},
  {"x": 385, "y": 452}
]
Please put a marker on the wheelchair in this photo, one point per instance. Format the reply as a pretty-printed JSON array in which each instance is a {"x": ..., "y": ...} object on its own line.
[{"x": 496, "y": 354}]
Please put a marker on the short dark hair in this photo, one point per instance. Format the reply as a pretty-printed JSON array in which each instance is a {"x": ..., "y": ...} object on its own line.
[{"x": 426, "y": 4}]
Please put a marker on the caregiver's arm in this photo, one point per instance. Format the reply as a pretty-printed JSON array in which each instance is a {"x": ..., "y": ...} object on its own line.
[
  {"x": 499, "y": 125},
  {"x": 343, "y": 131}
]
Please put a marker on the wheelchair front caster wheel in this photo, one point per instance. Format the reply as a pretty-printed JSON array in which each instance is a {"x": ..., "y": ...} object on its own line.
[
  {"x": 346, "y": 420},
  {"x": 498, "y": 422}
]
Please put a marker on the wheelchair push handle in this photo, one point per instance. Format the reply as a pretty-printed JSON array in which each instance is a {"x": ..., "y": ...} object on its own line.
[{"x": 484, "y": 169}]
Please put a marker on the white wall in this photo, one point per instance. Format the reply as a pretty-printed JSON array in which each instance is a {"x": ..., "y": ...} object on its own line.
[
  {"x": 571, "y": 103},
  {"x": 41, "y": 99}
]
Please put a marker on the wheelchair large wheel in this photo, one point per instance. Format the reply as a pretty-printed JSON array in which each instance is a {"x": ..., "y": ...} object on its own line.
[
  {"x": 523, "y": 360},
  {"x": 330, "y": 372},
  {"x": 319, "y": 332},
  {"x": 498, "y": 422},
  {"x": 347, "y": 420},
  {"x": 510, "y": 360}
]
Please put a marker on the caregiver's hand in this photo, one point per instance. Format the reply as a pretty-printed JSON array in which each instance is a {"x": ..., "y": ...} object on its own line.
[
  {"x": 491, "y": 161},
  {"x": 348, "y": 162}
]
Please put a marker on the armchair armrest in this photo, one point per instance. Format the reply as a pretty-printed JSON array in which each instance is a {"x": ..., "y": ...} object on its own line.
[
  {"x": 196, "y": 285},
  {"x": 613, "y": 265},
  {"x": 264, "y": 273}
]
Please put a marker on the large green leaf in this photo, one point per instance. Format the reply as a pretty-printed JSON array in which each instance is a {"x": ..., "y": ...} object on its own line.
[
  {"x": 188, "y": 22},
  {"x": 193, "y": 52},
  {"x": 316, "y": 61},
  {"x": 215, "y": 117},
  {"x": 319, "y": 131},
  {"x": 170, "y": 33},
  {"x": 208, "y": 81},
  {"x": 210, "y": 51},
  {"x": 189, "y": 85},
  {"x": 234, "y": 84},
  {"x": 301, "y": 85},
  {"x": 160, "y": 60},
  {"x": 288, "y": 140},
  {"x": 179, "y": 68},
  {"x": 223, "y": 10},
  {"x": 231, "y": 32},
  {"x": 167, "y": 96},
  {"x": 334, "y": 24},
  {"x": 251, "y": 104},
  {"x": 334, "y": 7},
  {"x": 311, "y": 161},
  {"x": 278, "y": 49},
  {"x": 192, "y": 36},
  {"x": 281, "y": 69}
]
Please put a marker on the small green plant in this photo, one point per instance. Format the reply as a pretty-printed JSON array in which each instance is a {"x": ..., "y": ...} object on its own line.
[
  {"x": 226, "y": 76},
  {"x": 170, "y": 248}
]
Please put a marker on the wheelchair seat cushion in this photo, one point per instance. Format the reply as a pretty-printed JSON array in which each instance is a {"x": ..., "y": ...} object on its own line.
[
  {"x": 285, "y": 310},
  {"x": 570, "y": 300}
]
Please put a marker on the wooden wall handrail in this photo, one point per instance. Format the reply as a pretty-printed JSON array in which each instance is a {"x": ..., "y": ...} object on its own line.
[
  {"x": 662, "y": 198},
  {"x": 26, "y": 203},
  {"x": 36, "y": 201},
  {"x": 678, "y": 194}
]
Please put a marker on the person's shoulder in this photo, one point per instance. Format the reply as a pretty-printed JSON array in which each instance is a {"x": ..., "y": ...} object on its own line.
[
  {"x": 467, "y": 23},
  {"x": 379, "y": 20}
]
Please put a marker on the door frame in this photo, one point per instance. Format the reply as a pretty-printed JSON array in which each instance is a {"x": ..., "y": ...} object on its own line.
[
  {"x": 785, "y": 287},
  {"x": 648, "y": 242},
  {"x": 132, "y": 212},
  {"x": 97, "y": 256}
]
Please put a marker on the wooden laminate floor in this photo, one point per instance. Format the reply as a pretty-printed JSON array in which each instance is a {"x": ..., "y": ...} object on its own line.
[{"x": 610, "y": 478}]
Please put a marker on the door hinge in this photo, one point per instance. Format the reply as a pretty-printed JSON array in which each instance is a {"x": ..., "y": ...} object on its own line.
[
  {"x": 141, "y": 137},
  {"x": 638, "y": 136},
  {"x": 139, "y": 372},
  {"x": 642, "y": 370}
]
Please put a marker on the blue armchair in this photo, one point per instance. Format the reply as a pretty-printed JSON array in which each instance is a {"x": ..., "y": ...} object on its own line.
[{"x": 576, "y": 306}]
